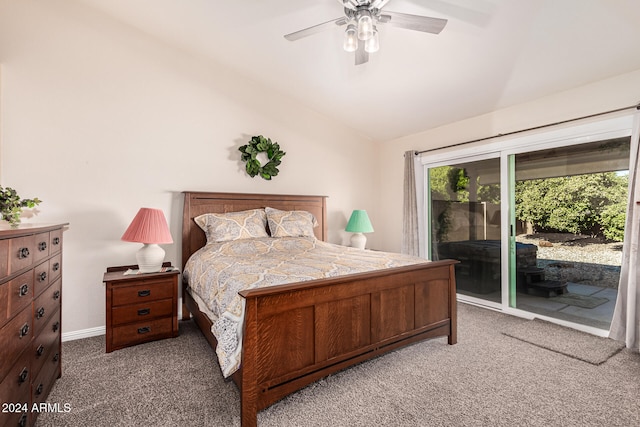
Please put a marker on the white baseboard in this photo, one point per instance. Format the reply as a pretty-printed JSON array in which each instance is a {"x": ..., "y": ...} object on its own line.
[{"x": 84, "y": 333}]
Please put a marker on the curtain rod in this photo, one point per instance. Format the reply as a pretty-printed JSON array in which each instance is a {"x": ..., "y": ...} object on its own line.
[{"x": 637, "y": 107}]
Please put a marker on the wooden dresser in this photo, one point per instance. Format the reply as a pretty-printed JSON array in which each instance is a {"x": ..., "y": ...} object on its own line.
[{"x": 30, "y": 323}]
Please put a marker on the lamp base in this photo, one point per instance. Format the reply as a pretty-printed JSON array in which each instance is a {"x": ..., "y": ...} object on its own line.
[
  {"x": 150, "y": 258},
  {"x": 358, "y": 240}
]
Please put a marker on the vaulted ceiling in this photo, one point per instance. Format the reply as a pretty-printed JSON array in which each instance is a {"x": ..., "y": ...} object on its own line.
[{"x": 491, "y": 54}]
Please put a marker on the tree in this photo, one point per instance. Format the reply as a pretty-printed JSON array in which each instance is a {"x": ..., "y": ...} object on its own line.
[{"x": 591, "y": 204}]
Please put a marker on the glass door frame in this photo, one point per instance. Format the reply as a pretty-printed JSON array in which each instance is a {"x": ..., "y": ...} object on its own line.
[{"x": 506, "y": 148}]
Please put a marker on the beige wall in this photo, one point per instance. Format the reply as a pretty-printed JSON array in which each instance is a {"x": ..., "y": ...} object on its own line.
[
  {"x": 100, "y": 120},
  {"x": 598, "y": 97}
]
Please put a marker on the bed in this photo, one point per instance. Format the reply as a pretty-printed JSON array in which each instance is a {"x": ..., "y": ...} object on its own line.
[{"x": 294, "y": 334}]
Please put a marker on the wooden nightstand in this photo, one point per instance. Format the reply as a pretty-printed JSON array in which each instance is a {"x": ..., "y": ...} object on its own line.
[{"x": 140, "y": 307}]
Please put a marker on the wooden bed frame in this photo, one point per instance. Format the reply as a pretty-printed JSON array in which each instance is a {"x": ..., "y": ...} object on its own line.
[{"x": 298, "y": 333}]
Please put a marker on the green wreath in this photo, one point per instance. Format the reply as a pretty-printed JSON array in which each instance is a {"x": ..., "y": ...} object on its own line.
[{"x": 260, "y": 144}]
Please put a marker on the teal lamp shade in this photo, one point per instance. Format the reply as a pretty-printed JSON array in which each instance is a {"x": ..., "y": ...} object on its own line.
[{"x": 359, "y": 223}]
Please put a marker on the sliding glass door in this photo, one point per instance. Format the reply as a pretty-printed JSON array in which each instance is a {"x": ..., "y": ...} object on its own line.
[
  {"x": 570, "y": 208},
  {"x": 464, "y": 200},
  {"x": 536, "y": 222}
]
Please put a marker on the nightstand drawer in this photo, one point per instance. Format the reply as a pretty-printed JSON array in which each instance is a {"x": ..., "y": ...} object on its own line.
[
  {"x": 141, "y": 312},
  {"x": 142, "y": 331},
  {"x": 151, "y": 290}
]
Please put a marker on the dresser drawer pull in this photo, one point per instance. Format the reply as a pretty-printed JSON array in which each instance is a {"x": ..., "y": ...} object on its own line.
[
  {"x": 56, "y": 241},
  {"x": 24, "y": 290},
  {"x": 40, "y": 350},
  {"x": 23, "y": 420},
  {"x": 144, "y": 311},
  {"x": 56, "y": 357},
  {"x": 23, "y": 253},
  {"x": 144, "y": 293},
  {"x": 56, "y": 266},
  {"x": 144, "y": 330},
  {"x": 23, "y": 376},
  {"x": 39, "y": 389},
  {"x": 24, "y": 331},
  {"x": 40, "y": 313},
  {"x": 56, "y": 326},
  {"x": 42, "y": 276},
  {"x": 56, "y": 295},
  {"x": 42, "y": 246}
]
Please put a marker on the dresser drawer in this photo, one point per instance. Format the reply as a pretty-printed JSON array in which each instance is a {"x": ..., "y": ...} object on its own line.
[
  {"x": 151, "y": 290},
  {"x": 15, "y": 336},
  {"x": 55, "y": 242},
  {"x": 20, "y": 414},
  {"x": 142, "y": 331},
  {"x": 141, "y": 312},
  {"x": 41, "y": 247},
  {"x": 45, "y": 343},
  {"x": 18, "y": 380},
  {"x": 55, "y": 267},
  {"x": 40, "y": 278},
  {"x": 48, "y": 374},
  {"x": 46, "y": 305},
  {"x": 16, "y": 294},
  {"x": 21, "y": 252}
]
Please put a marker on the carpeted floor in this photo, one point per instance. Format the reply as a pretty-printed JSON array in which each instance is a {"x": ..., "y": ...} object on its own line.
[{"x": 487, "y": 379}]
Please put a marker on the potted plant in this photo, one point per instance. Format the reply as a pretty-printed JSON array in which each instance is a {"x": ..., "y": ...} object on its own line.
[{"x": 11, "y": 205}]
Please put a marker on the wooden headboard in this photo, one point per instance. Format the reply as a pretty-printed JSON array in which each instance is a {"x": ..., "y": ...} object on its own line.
[{"x": 198, "y": 203}]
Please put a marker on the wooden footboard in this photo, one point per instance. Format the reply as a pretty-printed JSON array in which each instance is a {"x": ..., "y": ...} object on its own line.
[{"x": 296, "y": 334}]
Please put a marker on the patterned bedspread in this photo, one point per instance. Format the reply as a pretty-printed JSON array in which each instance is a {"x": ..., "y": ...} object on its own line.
[{"x": 218, "y": 271}]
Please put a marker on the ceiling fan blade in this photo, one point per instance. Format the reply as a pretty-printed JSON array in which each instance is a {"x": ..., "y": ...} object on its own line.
[
  {"x": 315, "y": 29},
  {"x": 425, "y": 24},
  {"x": 362, "y": 55}
]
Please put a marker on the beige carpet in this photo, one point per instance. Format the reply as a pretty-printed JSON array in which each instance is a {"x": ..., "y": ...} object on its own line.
[
  {"x": 487, "y": 379},
  {"x": 572, "y": 343}
]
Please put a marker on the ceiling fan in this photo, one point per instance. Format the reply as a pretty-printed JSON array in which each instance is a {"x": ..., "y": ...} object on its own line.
[{"x": 361, "y": 18}]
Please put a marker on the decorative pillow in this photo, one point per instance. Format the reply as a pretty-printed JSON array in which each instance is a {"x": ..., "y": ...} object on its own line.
[
  {"x": 222, "y": 227},
  {"x": 290, "y": 223}
]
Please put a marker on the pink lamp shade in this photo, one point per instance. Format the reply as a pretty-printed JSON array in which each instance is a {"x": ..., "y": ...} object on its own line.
[{"x": 149, "y": 226}]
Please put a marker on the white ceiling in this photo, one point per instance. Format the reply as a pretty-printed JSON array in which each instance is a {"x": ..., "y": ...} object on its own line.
[{"x": 492, "y": 53}]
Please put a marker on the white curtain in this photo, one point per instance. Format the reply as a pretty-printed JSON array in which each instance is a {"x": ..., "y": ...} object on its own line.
[
  {"x": 410, "y": 218},
  {"x": 625, "y": 325}
]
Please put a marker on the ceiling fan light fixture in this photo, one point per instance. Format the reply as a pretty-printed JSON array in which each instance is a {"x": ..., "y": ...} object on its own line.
[
  {"x": 350, "y": 38},
  {"x": 365, "y": 25},
  {"x": 373, "y": 44}
]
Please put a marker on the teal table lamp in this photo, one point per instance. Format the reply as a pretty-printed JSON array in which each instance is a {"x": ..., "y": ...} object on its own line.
[{"x": 359, "y": 223}]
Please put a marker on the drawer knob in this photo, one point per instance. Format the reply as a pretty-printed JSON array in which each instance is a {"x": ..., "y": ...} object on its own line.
[
  {"x": 144, "y": 330},
  {"x": 56, "y": 241},
  {"x": 56, "y": 266},
  {"x": 24, "y": 331},
  {"x": 39, "y": 389},
  {"x": 56, "y": 357},
  {"x": 40, "y": 350},
  {"x": 144, "y": 293},
  {"x": 56, "y": 326},
  {"x": 144, "y": 311},
  {"x": 23, "y": 376},
  {"x": 40, "y": 313},
  {"x": 24, "y": 290},
  {"x": 23, "y": 253},
  {"x": 42, "y": 276},
  {"x": 23, "y": 420},
  {"x": 56, "y": 295},
  {"x": 42, "y": 246}
]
